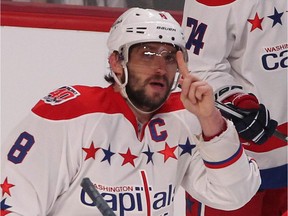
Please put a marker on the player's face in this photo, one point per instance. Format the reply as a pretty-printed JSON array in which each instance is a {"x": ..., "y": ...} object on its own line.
[{"x": 152, "y": 68}]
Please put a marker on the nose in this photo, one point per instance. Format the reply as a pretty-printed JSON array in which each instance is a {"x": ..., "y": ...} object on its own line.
[{"x": 159, "y": 64}]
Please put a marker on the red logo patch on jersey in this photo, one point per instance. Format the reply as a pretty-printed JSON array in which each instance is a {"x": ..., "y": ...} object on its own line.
[
  {"x": 215, "y": 2},
  {"x": 61, "y": 95}
]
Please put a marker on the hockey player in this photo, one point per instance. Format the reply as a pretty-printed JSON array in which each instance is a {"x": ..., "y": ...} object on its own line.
[
  {"x": 240, "y": 48},
  {"x": 135, "y": 140}
]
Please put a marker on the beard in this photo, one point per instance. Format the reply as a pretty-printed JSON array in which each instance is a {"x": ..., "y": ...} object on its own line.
[{"x": 138, "y": 96}]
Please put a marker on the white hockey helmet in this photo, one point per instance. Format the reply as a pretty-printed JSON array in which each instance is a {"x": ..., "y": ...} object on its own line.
[{"x": 138, "y": 25}]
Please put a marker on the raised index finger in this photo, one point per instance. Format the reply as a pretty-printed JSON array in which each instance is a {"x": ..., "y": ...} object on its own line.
[{"x": 183, "y": 70}]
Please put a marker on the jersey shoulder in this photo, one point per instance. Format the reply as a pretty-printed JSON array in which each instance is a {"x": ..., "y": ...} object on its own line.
[
  {"x": 70, "y": 102},
  {"x": 215, "y": 2},
  {"x": 172, "y": 104}
]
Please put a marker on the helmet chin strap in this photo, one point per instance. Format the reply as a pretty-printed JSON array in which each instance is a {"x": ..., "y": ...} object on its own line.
[
  {"x": 124, "y": 93},
  {"x": 122, "y": 85}
]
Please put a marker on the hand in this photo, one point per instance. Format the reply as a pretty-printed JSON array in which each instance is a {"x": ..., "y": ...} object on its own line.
[
  {"x": 256, "y": 126},
  {"x": 196, "y": 96}
]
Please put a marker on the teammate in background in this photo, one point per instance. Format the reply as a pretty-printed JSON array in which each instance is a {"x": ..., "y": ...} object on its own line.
[
  {"x": 123, "y": 137},
  {"x": 240, "y": 48}
]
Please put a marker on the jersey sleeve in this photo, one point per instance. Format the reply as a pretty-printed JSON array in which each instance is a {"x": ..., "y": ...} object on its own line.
[
  {"x": 212, "y": 46},
  {"x": 36, "y": 166},
  {"x": 224, "y": 179}
]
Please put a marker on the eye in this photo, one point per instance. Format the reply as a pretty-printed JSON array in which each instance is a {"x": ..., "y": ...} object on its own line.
[{"x": 169, "y": 56}]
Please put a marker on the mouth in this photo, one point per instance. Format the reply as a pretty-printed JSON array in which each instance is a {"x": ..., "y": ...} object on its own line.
[{"x": 157, "y": 84}]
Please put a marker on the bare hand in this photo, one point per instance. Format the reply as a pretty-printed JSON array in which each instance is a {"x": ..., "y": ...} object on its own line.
[{"x": 197, "y": 95}]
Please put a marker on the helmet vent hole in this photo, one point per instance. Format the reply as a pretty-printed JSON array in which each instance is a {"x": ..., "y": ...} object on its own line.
[
  {"x": 173, "y": 38},
  {"x": 160, "y": 36}
]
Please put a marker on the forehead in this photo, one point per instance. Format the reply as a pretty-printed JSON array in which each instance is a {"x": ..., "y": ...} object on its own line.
[{"x": 155, "y": 46}]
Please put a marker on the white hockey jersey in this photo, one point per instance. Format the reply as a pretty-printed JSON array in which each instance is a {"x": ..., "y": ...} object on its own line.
[
  {"x": 77, "y": 132},
  {"x": 234, "y": 43}
]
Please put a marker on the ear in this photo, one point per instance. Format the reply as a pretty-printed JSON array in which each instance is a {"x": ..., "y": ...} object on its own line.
[{"x": 115, "y": 64}]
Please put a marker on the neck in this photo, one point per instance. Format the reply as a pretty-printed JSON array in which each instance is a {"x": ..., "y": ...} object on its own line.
[{"x": 142, "y": 117}]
